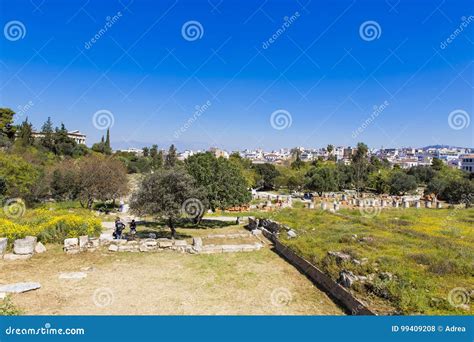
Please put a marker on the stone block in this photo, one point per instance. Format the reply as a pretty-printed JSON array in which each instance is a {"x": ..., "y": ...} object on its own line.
[
  {"x": 14, "y": 257},
  {"x": 72, "y": 275},
  {"x": 113, "y": 248},
  {"x": 40, "y": 248},
  {"x": 211, "y": 249},
  {"x": 3, "y": 245},
  {"x": 71, "y": 243},
  {"x": 24, "y": 246},
  {"x": 83, "y": 241},
  {"x": 165, "y": 244},
  {"x": 180, "y": 243},
  {"x": 105, "y": 239},
  {"x": 19, "y": 287}
]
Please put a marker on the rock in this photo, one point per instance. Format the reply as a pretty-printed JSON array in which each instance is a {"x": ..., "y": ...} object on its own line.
[
  {"x": 340, "y": 256},
  {"x": 347, "y": 278},
  {"x": 72, "y": 275},
  {"x": 386, "y": 276},
  {"x": 87, "y": 268},
  {"x": 24, "y": 246},
  {"x": 180, "y": 243},
  {"x": 105, "y": 239},
  {"x": 40, "y": 248},
  {"x": 83, "y": 241},
  {"x": 210, "y": 249},
  {"x": 19, "y": 287},
  {"x": 70, "y": 243},
  {"x": 113, "y": 248},
  {"x": 3, "y": 245},
  {"x": 150, "y": 243},
  {"x": 93, "y": 243},
  {"x": 197, "y": 242},
  {"x": 3, "y": 295},
  {"x": 366, "y": 239},
  {"x": 256, "y": 232},
  {"x": 231, "y": 248},
  {"x": 14, "y": 257},
  {"x": 152, "y": 236},
  {"x": 165, "y": 244},
  {"x": 291, "y": 234}
]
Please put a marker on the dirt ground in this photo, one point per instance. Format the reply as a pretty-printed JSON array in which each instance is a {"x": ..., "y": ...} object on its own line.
[{"x": 165, "y": 283}]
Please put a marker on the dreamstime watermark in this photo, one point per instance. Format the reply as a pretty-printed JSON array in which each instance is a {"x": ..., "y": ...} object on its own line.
[
  {"x": 192, "y": 208},
  {"x": 103, "y": 119},
  {"x": 459, "y": 119},
  {"x": 46, "y": 330},
  {"x": 103, "y": 297},
  {"x": 465, "y": 21},
  {"x": 24, "y": 109},
  {"x": 370, "y": 211},
  {"x": 14, "y": 30},
  {"x": 280, "y": 297},
  {"x": 199, "y": 110},
  {"x": 370, "y": 30},
  {"x": 459, "y": 297},
  {"x": 14, "y": 208},
  {"x": 109, "y": 22},
  {"x": 281, "y": 119},
  {"x": 287, "y": 22},
  {"x": 377, "y": 110},
  {"x": 192, "y": 30}
]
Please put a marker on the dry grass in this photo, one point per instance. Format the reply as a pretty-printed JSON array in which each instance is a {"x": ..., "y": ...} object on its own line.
[{"x": 164, "y": 283}]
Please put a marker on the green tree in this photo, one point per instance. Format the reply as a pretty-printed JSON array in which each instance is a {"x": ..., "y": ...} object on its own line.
[
  {"x": 146, "y": 152},
  {"x": 324, "y": 178},
  {"x": 47, "y": 139},
  {"x": 459, "y": 191},
  {"x": 401, "y": 183},
  {"x": 108, "y": 148},
  {"x": 171, "y": 158},
  {"x": 360, "y": 167},
  {"x": 165, "y": 193},
  {"x": 63, "y": 144},
  {"x": 437, "y": 164},
  {"x": 7, "y": 128},
  {"x": 223, "y": 182},
  {"x": 25, "y": 134},
  {"x": 266, "y": 175},
  {"x": 20, "y": 177}
]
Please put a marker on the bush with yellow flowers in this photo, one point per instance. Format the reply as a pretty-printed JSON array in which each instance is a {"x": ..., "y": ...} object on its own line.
[{"x": 50, "y": 225}]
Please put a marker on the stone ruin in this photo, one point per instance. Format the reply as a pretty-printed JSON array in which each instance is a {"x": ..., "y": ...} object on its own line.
[
  {"x": 152, "y": 244},
  {"x": 23, "y": 249}
]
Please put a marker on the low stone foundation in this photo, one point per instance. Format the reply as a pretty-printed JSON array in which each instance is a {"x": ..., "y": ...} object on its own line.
[{"x": 84, "y": 243}]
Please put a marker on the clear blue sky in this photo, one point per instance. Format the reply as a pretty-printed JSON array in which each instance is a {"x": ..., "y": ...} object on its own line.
[{"x": 319, "y": 70}]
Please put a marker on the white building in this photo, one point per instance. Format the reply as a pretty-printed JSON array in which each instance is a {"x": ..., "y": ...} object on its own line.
[{"x": 467, "y": 163}]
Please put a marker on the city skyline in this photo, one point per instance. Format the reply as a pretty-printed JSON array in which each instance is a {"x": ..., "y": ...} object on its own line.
[{"x": 241, "y": 76}]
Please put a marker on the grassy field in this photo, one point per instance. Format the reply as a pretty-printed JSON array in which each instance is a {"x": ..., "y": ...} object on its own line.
[{"x": 429, "y": 252}]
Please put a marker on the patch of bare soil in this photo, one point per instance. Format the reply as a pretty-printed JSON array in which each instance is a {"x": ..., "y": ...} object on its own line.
[{"x": 165, "y": 283}]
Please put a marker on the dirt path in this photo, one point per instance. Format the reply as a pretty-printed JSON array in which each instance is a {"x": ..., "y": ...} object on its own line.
[{"x": 164, "y": 283}]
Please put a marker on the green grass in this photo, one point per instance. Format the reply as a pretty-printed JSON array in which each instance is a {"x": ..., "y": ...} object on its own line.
[
  {"x": 429, "y": 252},
  {"x": 7, "y": 308}
]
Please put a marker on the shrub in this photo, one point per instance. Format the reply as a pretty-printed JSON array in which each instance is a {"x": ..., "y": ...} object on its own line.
[
  {"x": 50, "y": 226},
  {"x": 8, "y": 309},
  {"x": 66, "y": 226}
]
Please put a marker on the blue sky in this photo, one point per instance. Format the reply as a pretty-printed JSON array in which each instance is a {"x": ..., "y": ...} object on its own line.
[{"x": 323, "y": 72}]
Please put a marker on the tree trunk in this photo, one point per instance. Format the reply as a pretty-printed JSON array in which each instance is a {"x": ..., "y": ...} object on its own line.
[{"x": 173, "y": 230}]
